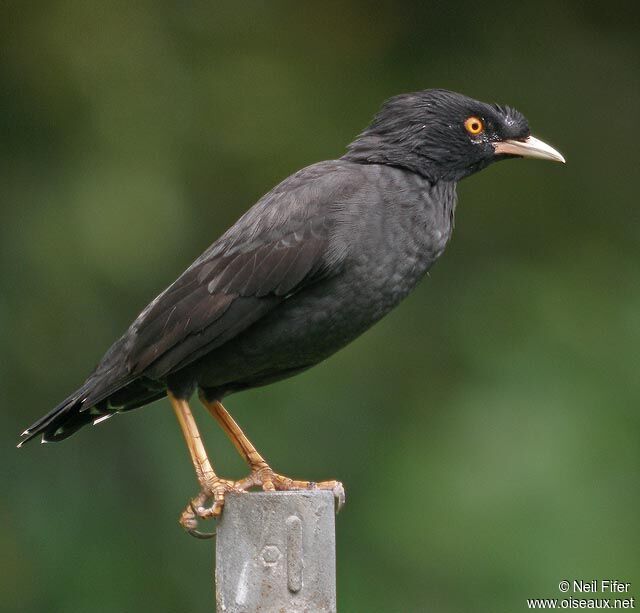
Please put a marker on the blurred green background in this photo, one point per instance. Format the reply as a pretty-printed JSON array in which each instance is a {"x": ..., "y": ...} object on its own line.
[{"x": 487, "y": 431}]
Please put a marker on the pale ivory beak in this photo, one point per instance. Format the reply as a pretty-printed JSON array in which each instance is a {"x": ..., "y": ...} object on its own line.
[{"x": 529, "y": 148}]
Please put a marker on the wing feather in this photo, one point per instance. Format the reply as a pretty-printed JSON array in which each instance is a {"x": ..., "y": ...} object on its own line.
[{"x": 280, "y": 246}]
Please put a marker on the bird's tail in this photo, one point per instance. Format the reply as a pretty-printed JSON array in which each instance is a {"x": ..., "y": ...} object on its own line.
[
  {"x": 64, "y": 419},
  {"x": 97, "y": 400},
  {"x": 111, "y": 388},
  {"x": 89, "y": 403}
]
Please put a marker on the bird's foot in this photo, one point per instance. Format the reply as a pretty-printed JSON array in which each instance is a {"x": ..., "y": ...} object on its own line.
[
  {"x": 264, "y": 476},
  {"x": 210, "y": 501},
  {"x": 207, "y": 504}
]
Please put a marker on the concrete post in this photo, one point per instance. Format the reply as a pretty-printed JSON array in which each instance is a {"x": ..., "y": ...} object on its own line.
[{"x": 275, "y": 551}]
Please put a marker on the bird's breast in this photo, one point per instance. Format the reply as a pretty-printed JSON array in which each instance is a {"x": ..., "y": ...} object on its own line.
[
  {"x": 393, "y": 242},
  {"x": 413, "y": 230}
]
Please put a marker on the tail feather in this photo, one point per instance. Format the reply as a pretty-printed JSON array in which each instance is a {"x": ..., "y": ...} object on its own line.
[
  {"x": 110, "y": 388},
  {"x": 87, "y": 405},
  {"x": 61, "y": 421}
]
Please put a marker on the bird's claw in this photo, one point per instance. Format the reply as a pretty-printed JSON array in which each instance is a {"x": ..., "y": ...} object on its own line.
[
  {"x": 197, "y": 508},
  {"x": 189, "y": 521},
  {"x": 339, "y": 495}
]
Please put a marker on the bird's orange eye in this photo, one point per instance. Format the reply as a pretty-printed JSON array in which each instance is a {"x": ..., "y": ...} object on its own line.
[{"x": 474, "y": 125}]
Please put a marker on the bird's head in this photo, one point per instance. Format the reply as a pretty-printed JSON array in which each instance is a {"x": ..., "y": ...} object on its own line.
[{"x": 446, "y": 136}]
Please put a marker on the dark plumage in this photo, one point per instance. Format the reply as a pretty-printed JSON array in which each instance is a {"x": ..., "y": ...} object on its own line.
[{"x": 311, "y": 266}]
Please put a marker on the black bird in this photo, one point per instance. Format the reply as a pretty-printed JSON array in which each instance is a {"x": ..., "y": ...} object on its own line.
[{"x": 318, "y": 260}]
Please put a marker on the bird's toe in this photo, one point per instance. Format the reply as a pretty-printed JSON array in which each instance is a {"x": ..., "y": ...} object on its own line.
[{"x": 208, "y": 504}]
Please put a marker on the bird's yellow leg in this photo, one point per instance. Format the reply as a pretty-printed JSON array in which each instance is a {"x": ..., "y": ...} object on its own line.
[
  {"x": 213, "y": 488},
  {"x": 262, "y": 475}
]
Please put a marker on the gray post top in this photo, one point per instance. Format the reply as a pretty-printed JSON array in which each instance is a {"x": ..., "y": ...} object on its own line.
[{"x": 275, "y": 552}]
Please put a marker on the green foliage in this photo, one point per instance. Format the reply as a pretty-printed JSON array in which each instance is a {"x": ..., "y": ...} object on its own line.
[{"x": 487, "y": 431}]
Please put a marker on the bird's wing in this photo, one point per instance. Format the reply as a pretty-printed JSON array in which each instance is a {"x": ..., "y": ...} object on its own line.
[{"x": 285, "y": 242}]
